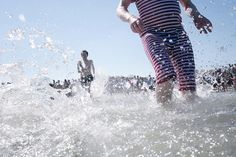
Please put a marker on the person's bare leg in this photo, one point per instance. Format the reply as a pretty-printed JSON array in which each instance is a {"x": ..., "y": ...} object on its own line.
[
  {"x": 164, "y": 92},
  {"x": 189, "y": 95},
  {"x": 89, "y": 90}
]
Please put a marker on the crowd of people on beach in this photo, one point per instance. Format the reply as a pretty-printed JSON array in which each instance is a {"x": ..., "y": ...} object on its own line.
[
  {"x": 221, "y": 79},
  {"x": 115, "y": 84},
  {"x": 5, "y": 83},
  {"x": 132, "y": 84},
  {"x": 63, "y": 84}
]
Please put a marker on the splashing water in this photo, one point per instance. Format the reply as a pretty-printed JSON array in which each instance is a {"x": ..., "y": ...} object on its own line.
[
  {"x": 36, "y": 120},
  {"x": 33, "y": 124}
]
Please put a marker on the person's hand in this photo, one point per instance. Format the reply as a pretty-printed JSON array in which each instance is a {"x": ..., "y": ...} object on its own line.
[
  {"x": 136, "y": 24},
  {"x": 202, "y": 23}
]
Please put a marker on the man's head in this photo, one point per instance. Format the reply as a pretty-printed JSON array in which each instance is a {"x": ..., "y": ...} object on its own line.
[{"x": 84, "y": 54}]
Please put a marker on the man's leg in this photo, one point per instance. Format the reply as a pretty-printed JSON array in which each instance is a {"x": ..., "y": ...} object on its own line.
[{"x": 89, "y": 86}]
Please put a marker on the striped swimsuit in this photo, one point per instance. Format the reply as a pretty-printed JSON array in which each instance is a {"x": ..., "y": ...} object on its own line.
[{"x": 166, "y": 43}]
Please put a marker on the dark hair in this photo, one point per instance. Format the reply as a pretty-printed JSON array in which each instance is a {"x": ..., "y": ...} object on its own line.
[{"x": 84, "y": 51}]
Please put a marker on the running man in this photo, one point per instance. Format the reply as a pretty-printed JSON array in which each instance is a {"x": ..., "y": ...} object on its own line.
[
  {"x": 86, "y": 69},
  {"x": 166, "y": 43}
]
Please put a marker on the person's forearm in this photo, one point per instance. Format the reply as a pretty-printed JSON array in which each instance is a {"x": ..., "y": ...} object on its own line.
[
  {"x": 123, "y": 13},
  {"x": 93, "y": 69},
  {"x": 78, "y": 68},
  {"x": 190, "y": 8}
]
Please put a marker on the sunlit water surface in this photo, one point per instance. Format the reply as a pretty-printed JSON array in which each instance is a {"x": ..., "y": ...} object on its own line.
[{"x": 36, "y": 120}]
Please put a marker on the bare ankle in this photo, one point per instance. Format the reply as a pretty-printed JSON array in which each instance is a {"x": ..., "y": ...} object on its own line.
[
  {"x": 189, "y": 96},
  {"x": 164, "y": 92}
]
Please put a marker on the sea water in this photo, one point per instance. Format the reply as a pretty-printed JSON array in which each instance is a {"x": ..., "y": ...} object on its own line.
[{"x": 37, "y": 120}]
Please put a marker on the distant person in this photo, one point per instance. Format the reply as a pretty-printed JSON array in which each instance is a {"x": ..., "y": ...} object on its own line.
[
  {"x": 58, "y": 84},
  {"x": 234, "y": 81},
  {"x": 86, "y": 70},
  {"x": 234, "y": 70},
  {"x": 165, "y": 41},
  {"x": 234, "y": 75},
  {"x": 134, "y": 83},
  {"x": 150, "y": 82},
  {"x": 53, "y": 84},
  {"x": 65, "y": 84}
]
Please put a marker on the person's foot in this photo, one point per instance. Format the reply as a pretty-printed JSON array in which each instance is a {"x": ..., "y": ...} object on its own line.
[{"x": 190, "y": 96}]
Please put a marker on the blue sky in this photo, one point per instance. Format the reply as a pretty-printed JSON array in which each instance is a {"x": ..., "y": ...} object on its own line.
[{"x": 48, "y": 35}]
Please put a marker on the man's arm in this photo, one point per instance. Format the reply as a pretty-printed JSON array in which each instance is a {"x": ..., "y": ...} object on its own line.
[
  {"x": 122, "y": 11},
  {"x": 201, "y": 22},
  {"x": 93, "y": 68},
  {"x": 79, "y": 67}
]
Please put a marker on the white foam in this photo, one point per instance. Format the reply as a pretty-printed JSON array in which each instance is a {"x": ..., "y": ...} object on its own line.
[{"x": 37, "y": 120}]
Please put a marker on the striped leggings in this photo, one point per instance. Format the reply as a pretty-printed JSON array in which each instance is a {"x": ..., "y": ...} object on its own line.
[{"x": 172, "y": 57}]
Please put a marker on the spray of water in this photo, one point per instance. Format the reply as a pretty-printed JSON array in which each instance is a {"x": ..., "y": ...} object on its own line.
[{"x": 36, "y": 120}]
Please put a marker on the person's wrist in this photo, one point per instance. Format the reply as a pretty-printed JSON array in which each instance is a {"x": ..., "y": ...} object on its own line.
[
  {"x": 132, "y": 19},
  {"x": 196, "y": 15},
  {"x": 193, "y": 13}
]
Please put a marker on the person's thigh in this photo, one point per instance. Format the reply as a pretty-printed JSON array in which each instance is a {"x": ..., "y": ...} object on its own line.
[
  {"x": 183, "y": 61},
  {"x": 157, "y": 53}
]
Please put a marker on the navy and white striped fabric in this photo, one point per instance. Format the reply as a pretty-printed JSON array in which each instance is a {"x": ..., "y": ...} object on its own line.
[
  {"x": 166, "y": 43},
  {"x": 172, "y": 56},
  {"x": 162, "y": 14}
]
